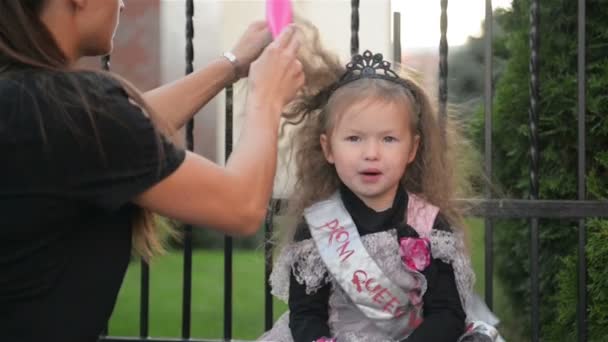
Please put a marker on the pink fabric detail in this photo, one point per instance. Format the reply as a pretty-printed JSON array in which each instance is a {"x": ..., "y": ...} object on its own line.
[
  {"x": 420, "y": 214},
  {"x": 325, "y": 339},
  {"x": 415, "y": 297},
  {"x": 414, "y": 320},
  {"x": 415, "y": 253}
]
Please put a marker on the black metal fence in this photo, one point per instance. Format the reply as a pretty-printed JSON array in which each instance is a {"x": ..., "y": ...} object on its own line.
[{"x": 489, "y": 208}]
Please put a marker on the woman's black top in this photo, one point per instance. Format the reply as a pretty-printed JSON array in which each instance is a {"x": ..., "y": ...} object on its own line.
[{"x": 75, "y": 151}]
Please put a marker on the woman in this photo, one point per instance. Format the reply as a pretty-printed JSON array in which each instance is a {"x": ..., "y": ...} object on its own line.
[{"x": 86, "y": 159}]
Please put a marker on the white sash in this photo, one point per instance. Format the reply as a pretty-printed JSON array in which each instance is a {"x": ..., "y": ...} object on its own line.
[{"x": 357, "y": 273}]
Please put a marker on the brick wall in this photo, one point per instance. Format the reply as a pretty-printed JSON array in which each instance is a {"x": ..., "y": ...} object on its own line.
[{"x": 136, "y": 54}]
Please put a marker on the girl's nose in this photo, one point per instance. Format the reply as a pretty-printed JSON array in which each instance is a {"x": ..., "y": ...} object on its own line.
[{"x": 371, "y": 150}]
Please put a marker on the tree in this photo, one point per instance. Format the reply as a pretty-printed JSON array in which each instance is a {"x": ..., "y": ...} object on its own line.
[
  {"x": 466, "y": 77},
  {"x": 558, "y": 158}
]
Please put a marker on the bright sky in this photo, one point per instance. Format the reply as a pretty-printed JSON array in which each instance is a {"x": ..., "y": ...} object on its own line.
[{"x": 420, "y": 20}]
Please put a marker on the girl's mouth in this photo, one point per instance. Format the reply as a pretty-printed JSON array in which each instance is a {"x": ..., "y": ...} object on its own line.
[{"x": 370, "y": 175}]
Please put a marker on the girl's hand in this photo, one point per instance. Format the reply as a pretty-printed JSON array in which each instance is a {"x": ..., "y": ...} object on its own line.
[
  {"x": 250, "y": 46},
  {"x": 277, "y": 75}
]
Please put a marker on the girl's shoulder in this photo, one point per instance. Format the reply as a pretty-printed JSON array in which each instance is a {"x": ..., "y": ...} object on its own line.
[
  {"x": 302, "y": 232},
  {"x": 441, "y": 224}
]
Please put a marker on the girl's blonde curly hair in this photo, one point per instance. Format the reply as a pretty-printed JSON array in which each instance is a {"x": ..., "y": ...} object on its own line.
[{"x": 439, "y": 173}]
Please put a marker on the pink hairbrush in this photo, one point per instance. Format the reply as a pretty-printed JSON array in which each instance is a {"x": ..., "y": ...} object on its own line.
[{"x": 279, "y": 14}]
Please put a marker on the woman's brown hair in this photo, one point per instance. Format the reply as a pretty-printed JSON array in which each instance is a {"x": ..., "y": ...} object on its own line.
[{"x": 25, "y": 42}]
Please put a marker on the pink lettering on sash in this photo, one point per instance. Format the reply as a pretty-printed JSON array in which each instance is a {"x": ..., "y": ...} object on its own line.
[
  {"x": 339, "y": 235},
  {"x": 377, "y": 293}
]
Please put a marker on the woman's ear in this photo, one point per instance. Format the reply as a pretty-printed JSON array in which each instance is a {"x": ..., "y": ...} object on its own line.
[{"x": 324, "y": 139}]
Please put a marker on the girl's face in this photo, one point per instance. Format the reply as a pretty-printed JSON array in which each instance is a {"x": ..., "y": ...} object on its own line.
[
  {"x": 371, "y": 144},
  {"x": 97, "y": 21}
]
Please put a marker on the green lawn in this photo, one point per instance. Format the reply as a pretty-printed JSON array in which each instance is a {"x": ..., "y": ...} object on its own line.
[
  {"x": 208, "y": 294},
  {"x": 510, "y": 326}
]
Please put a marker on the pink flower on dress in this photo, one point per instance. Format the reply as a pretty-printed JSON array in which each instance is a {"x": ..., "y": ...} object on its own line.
[
  {"x": 325, "y": 339},
  {"x": 415, "y": 253}
]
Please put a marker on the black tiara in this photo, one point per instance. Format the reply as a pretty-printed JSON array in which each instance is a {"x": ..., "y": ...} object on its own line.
[{"x": 368, "y": 65}]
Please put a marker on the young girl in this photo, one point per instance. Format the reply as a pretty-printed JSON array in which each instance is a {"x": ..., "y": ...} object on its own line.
[{"x": 378, "y": 255}]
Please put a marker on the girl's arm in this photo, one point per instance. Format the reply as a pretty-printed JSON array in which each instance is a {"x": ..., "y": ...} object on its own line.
[
  {"x": 180, "y": 100},
  {"x": 308, "y": 313},
  {"x": 444, "y": 317}
]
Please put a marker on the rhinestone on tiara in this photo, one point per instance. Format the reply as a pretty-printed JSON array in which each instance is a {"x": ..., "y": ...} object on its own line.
[{"x": 368, "y": 65}]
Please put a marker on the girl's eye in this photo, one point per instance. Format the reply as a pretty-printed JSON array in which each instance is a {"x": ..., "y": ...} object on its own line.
[
  {"x": 353, "y": 138},
  {"x": 390, "y": 139}
]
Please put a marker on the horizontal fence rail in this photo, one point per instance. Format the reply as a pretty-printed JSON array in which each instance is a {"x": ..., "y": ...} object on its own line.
[
  {"x": 518, "y": 208},
  {"x": 515, "y": 208}
]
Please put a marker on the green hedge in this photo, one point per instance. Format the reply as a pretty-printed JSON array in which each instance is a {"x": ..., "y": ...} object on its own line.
[
  {"x": 564, "y": 327},
  {"x": 558, "y": 159}
]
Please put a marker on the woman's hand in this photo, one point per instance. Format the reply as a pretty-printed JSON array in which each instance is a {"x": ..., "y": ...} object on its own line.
[
  {"x": 276, "y": 76},
  {"x": 241, "y": 189},
  {"x": 250, "y": 46}
]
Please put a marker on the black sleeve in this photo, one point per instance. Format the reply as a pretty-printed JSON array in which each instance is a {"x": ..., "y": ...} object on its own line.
[
  {"x": 443, "y": 314},
  {"x": 308, "y": 313},
  {"x": 302, "y": 232},
  {"x": 116, "y": 153},
  {"x": 444, "y": 317}
]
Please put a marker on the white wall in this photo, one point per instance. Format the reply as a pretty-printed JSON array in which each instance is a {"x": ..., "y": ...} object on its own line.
[{"x": 206, "y": 42}]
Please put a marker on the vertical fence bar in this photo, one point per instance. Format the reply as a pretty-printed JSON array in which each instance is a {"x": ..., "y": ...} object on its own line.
[
  {"x": 229, "y": 121},
  {"x": 144, "y": 300},
  {"x": 187, "y": 282},
  {"x": 443, "y": 65},
  {"x": 397, "y": 37},
  {"x": 534, "y": 161},
  {"x": 187, "y": 273},
  {"x": 581, "y": 321},
  {"x": 228, "y": 239},
  {"x": 488, "y": 84},
  {"x": 354, "y": 27},
  {"x": 189, "y": 63},
  {"x": 269, "y": 224}
]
